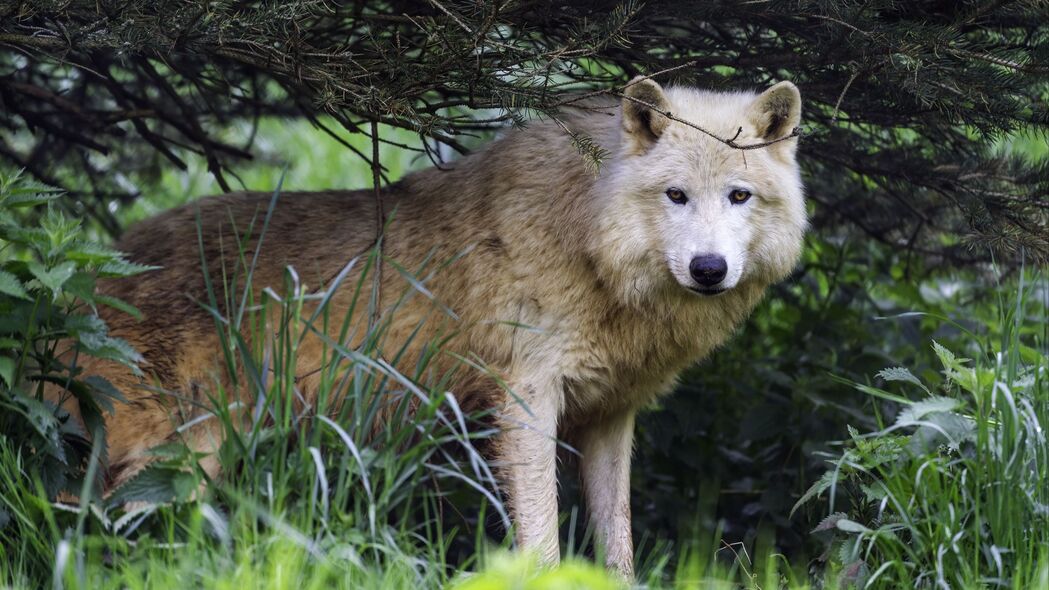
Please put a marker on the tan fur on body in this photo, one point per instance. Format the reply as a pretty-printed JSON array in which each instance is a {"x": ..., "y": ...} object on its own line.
[{"x": 592, "y": 262}]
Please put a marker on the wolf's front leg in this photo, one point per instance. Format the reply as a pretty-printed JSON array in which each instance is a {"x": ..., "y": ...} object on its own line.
[
  {"x": 605, "y": 469},
  {"x": 527, "y": 450}
]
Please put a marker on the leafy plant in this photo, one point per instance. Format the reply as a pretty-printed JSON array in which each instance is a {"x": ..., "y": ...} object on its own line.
[
  {"x": 48, "y": 319},
  {"x": 355, "y": 481},
  {"x": 955, "y": 491}
]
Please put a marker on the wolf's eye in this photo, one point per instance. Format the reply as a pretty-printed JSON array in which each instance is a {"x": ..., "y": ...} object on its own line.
[
  {"x": 677, "y": 195},
  {"x": 739, "y": 196}
]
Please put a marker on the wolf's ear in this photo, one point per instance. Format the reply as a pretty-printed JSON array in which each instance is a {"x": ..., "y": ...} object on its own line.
[
  {"x": 642, "y": 98},
  {"x": 776, "y": 112}
]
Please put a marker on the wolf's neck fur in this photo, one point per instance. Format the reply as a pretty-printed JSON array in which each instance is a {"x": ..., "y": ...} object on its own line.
[{"x": 533, "y": 189}]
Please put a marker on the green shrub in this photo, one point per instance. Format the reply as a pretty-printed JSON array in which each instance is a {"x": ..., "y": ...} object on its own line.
[
  {"x": 48, "y": 318},
  {"x": 954, "y": 491},
  {"x": 318, "y": 479}
]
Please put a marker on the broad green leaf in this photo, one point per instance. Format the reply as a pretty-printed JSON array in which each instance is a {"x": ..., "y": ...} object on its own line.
[
  {"x": 874, "y": 494},
  {"x": 940, "y": 428},
  {"x": 184, "y": 484},
  {"x": 830, "y": 522},
  {"x": 30, "y": 237},
  {"x": 929, "y": 405},
  {"x": 53, "y": 278},
  {"x": 946, "y": 357},
  {"x": 42, "y": 418},
  {"x": 850, "y": 526},
  {"x": 10, "y": 285},
  {"x": 105, "y": 391},
  {"x": 82, "y": 286},
  {"x": 153, "y": 484},
  {"x": 108, "y": 347},
  {"x": 89, "y": 329},
  {"x": 171, "y": 452}
]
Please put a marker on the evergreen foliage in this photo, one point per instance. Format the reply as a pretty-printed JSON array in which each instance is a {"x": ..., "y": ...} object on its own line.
[{"x": 905, "y": 101}]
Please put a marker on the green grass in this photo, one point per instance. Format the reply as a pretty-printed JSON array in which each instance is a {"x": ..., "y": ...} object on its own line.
[
  {"x": 944, "y": 494},
  {"x": 953, "y": 491},
  {"x": 943, "y": 497}
]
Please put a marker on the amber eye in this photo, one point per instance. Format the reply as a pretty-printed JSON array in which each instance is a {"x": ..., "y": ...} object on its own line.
[
  {"x": 677, "y": 195},
  {"x": 739, "y": 196}
]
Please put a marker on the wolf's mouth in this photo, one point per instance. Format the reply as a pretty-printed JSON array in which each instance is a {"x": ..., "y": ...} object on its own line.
[{"x": 707, "y": 292}]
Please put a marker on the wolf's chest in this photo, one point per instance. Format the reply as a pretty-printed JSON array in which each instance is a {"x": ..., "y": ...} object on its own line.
[{"x": 607, "y": 361}]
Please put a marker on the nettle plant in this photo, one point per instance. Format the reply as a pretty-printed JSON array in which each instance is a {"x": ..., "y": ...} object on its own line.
[
  {"x": 956, "y": 488},
  {"x": 48, "y": 321}
]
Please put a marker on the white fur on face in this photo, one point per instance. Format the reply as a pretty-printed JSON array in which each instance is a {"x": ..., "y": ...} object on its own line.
[
  {"x": 708, "y": 224},
  {"x": 655, "y": 239}
]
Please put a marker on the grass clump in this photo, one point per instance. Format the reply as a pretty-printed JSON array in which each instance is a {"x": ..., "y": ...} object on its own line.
[
  {"x": 950, "y": 490},
  {"x": 356, "y": 483},
  {"x": 953, "y": 490}
]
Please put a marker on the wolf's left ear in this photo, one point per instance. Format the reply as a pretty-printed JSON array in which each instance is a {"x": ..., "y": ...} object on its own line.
[
  {"x": 643, "y": 99},
  {"x": 776, "y": 112}
]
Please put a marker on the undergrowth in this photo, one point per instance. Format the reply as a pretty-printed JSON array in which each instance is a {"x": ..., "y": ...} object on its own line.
[{"x": 952, "y": 490}]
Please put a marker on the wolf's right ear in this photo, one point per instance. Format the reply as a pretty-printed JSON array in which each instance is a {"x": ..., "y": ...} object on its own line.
[{"x": 643, "y": 99}]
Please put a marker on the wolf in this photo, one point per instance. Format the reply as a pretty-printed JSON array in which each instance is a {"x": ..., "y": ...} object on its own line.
[{"x": 624, "y": 276}]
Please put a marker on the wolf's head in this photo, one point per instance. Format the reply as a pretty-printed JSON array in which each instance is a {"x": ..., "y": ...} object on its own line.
[{"x": 682, "y": 211}]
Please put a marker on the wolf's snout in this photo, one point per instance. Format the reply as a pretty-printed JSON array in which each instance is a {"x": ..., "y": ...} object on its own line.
[{"x": 708, "y": 269}]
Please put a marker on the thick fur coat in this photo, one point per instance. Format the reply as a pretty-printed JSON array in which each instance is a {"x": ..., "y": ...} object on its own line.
[{"x": 611, "y": 270}]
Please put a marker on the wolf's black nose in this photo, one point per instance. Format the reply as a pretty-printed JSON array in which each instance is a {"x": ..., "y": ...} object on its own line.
[{"x": 708, "y": 269}]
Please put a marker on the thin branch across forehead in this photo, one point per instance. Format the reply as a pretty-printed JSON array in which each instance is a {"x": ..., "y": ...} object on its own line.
[
  {"x": 771, "y": 118},
  {"x": 729, "y": 141}
]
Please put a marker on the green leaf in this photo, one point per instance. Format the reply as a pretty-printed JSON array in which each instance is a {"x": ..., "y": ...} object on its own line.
[
  {"x": 89, "y": 329},
  {"x": 119, "y": 304},
  {"x": 7, "y": 370},
  {"x": 850, "y": 526},
  {"x": 53, "y": 278},
  {"x": 159, "y": 482},
  {"x": 42, "y": 418},
  {"x": 60, "y": 230},
  {"x": 123, "y": 268},
  {"x": 943, "y": 428},
  {"x": 929, "y": 405},
  {"x": 830, "y": 522},
  {"x": 116, "y": 349},
  {"x": 10, "y": 285},
  {"x": 822, "y": 484},
  {"x": 171, "y": 452},
  {"x": 185, "y": 483},
  {"x": 30, "y": 237},
  {"x": 31, "y": 196},
  {"x": 91, "y": 332},
  {"x": 104, "y": 391},
  {"x": 901, "y": 374},
  {"x": 92, "y": 253},
  {"x": 153, "y": 484},
  {"x": 82, "y": 286}
]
